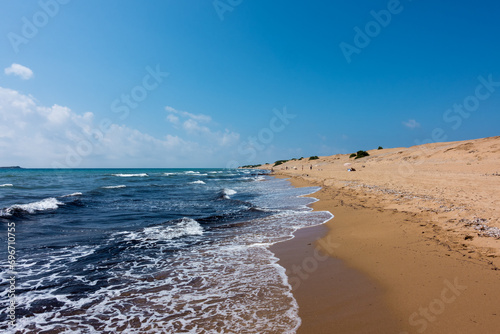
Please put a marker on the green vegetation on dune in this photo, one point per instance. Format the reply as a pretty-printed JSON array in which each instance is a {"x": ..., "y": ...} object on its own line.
[
  {"x": 251, "y": 166},
  {"x": 280, "y": 162},
  {"x": 359, "y": 154}
]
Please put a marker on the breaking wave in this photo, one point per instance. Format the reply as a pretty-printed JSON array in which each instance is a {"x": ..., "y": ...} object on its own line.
[
  {"x": 182, "y": 227},
  {"x": 43, "y": 205}
]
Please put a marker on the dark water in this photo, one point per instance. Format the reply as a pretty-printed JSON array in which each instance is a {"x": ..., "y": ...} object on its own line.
[{"x": 149, "y": 251}]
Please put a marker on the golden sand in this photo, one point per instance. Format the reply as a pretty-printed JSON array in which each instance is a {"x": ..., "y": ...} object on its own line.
[{"x": 421, "y": 223}]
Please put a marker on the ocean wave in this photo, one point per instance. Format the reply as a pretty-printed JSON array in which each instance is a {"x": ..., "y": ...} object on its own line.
[
  {"x": 6, "y": 185},
  {"x": 190, "y": 172},
  {"x": 226, "y": 193},
  {"x": 169, "y": 174},
  {"x": 131, "y": 175},
  {"x": 73, "y": 194},
  {"x": 114, "y": 187},
  {"x": 43, "y": 205},
  {"x": 182, "y": 227},
  {"x": 197, "y": 182}
]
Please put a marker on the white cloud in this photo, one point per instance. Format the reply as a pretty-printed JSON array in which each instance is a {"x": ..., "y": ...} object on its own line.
[
  {"x": 192, "y": 127},
  {"x": 198, "y": 117},
  {"x": 37, "y": 136},
  {"x": 21, "y": 71},
  {"x": 173, "y": 119},
  {"x": 412, "y": 124}
]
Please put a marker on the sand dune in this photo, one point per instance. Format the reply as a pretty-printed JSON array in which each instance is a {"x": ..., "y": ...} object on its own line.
[
  {"x": 458, "y": 182},
  {"x": 415, "y": 220}
]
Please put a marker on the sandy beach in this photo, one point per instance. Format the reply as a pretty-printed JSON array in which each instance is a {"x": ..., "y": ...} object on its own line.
[{"x": 414, "y": 246}]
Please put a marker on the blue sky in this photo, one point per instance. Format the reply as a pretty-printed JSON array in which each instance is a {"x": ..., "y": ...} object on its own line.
[{"x": 248, "y": 81}]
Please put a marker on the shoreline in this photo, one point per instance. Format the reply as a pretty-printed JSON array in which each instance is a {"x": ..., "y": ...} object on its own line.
[
  {"x": 354, "y": 302},
  {"x": 425, "y": 271},
  {"x": 401, "y": 282}
]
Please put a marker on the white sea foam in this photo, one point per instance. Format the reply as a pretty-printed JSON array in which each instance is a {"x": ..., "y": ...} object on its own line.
[
  {"x": 197, "y": 182},
  {"x": 184, "y": 227},
  {"x": 226, "y": 279},
  {"x": 131, "y": 175},
  {"x": 45, "y": 204},
  {"x": 6, "y": 185},
  {"x": 169, "y": 174},
  {"x": 226, "y": 193},
  {"x": 115, "y": 187},
  {"x": 73, "y": 194}
]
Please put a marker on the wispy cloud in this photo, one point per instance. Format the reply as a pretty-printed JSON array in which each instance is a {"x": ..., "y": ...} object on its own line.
[
  {"x": 19, "y": 70},
  {"x": 411, "y": 123},
  {"x": 32, "y": 135},
  {"x": 173, "y": 119},
  {"x": 191, "y": 125},
  {"x": 196, "y": 117}
]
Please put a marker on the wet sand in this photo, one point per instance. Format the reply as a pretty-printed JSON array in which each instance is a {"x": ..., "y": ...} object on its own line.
[{"x": 406, "y": 253}]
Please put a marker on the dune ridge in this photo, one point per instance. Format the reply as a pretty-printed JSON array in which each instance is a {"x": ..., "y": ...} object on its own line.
[
  {"x": 419, "y": 222},
  {"x": 456, "y": 183}
]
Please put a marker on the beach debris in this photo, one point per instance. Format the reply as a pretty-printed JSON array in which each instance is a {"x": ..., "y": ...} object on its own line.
[
  {"x": 481, "y": 225},
  {"x": 493, "y": 174}
]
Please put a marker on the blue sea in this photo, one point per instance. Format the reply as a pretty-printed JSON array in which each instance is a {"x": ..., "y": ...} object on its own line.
[{"x": 149, "y": 250}]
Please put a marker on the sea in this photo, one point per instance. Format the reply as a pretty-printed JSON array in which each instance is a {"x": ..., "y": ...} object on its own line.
[{"x": 148, "y": 250}]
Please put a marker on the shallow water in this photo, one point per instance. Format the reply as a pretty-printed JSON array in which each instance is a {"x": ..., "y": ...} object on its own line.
[{"x": 150, "y": 250}]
